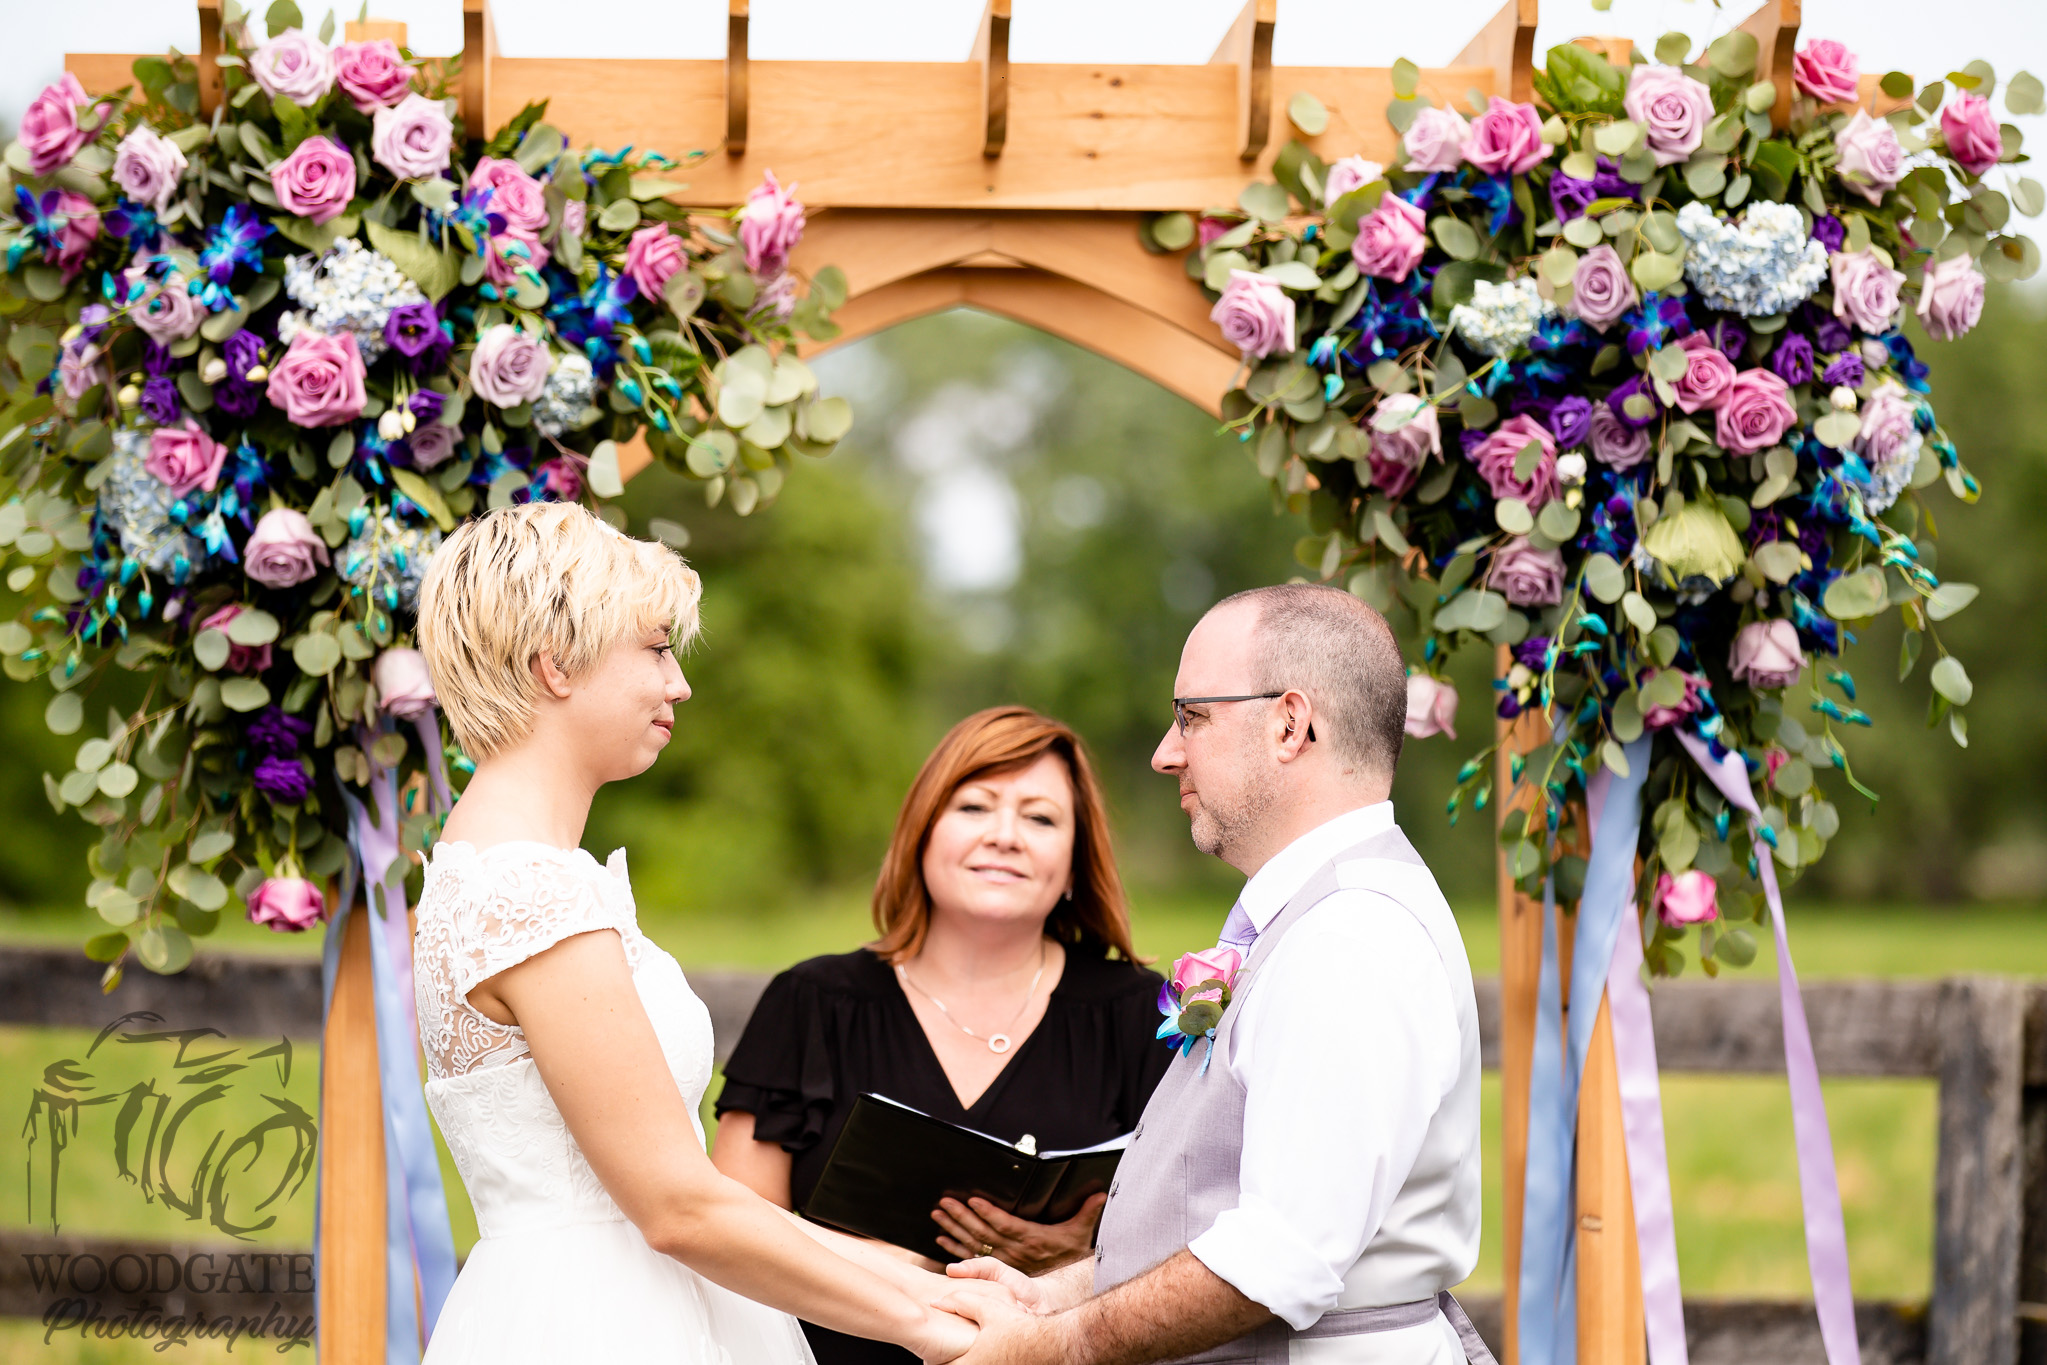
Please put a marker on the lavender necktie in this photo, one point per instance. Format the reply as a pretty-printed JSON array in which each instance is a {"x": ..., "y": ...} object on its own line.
[{"x": 1238, "y": 930}]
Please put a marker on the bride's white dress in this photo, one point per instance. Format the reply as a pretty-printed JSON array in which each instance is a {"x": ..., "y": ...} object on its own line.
[{"x": 559, "y": 1276}]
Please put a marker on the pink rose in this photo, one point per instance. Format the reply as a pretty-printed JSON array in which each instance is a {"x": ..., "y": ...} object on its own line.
[
  {"x": 1973, "y": 137},
  {"x": 1950, "y": 298},
  {"x": 1506, "y": 139},
  {"x": 240, "y": 658},
  {"x": 652, "y": 258},
  {"x": 1826, "y": 71},
  {"x": 1195, "y": 970},
  {"x": 147, "y": 167},
  {"x": 1889, "y": 434},
  {"x": 1526, "y": 576},
  {"x": 404, "y": 689},
  {"x": 1495, "y": 457},
  {"x": 316, "y": 181},
  {"x": 1708, "y": 374},
  {"x": 1754, "y": 414},
  {"x": 1255, "y": 314},
  {"x": 1434, "y": 141},
  {"x": 1614, "y": 443},
  {"x": 1656, "y": 717},
  {"x": 184, "y": 458},
  {"x": 1687, "y": 898},
  {"x": 166, "y": 311},
  {"x": 412, "y": 138},
  {"x": 509, "y": 255},
  {"x": 289, "y": 905},
  {"x": 1351, "y": 173},
  {"x": 574, "y": 214},
  {"x": 1766, "y": 654},
  {"x": 514, "y": 195},
  {"x": 770, "y": 225},
  {"x": 319, "y": 380},
  {"x": 1672, "y": 107},
  {"x": 374, "y": 75},
  {"x": 509, "y": 367},
  {"x": 1208, "y": 229},
  {"x": 79, "y": 368},
  {"x": 1390, "y": 240},
  {"x": 293, "y": 66},
  {"x": 50, "y": 130},
  {"x": 431, "y": 443},
  {"x": 81, "y": 230},
  {"x": 1398, "y": 451},
  {"x": 1872, "y": 163},
  {"x": 284, "y": 550},
  {"x": 1431, "y": 706},
  {"x": 1600, "y": 288},
  {"x": 561, "y": 479},
  {"x": 1865, "y": 290}
]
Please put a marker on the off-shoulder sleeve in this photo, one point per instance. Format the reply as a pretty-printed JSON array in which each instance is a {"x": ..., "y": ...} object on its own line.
[
  {"x": 782, "y": 1072},
  {"x": 520, "y": 907}
]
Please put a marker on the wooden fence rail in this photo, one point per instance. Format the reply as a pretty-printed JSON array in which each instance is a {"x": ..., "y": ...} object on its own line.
[{"x": 1983, "y": 1039}]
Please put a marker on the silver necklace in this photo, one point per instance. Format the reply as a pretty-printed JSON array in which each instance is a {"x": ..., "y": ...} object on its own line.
[{"x": 998, "y": 1043}]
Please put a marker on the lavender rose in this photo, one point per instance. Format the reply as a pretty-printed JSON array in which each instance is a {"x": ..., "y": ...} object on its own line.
[
  {"x": 166, "y": 312},
  {"x": 288, "y": 905},
  {"x": 1506, "y": 139},
  {"x": 1600, "y": 288},
  {"x": 574, "y": 214},
  {"x": 1526, "y": 576},
  {"x": 1614, "y": 443},
  {"x": 1950, "y": 298},
  {"x": 514, "y": 195},
  {"x": 1352, "y": 172},
  {"x": 1754, "y": 414},
  {"x": 319, "y": 380},
  {"x": 1495, "y": 457},
  {"x": 1973, "y": 137},
  {"x": 184, "y": 458},
  {"x": 50, "y": 131},
  {"x": 147, "y": 167},
  {"x": 284, "y": 550},
  {"x": 1399, "y": 447},
  {"x": 1255, "y": 314},
  {"x": 294, "y": 66},
  {"x": 431, "y": 444},
  {"x": 1872, "y": 163},
  {"x": 316, "y": 181},
  {"x": 412, "y": 139},
  {"x": 1766, "y": 654},
  {"x": 1827, "y": 71},
  {"x": 1888, "y": 434},
  {"x": 509, "y": 367},
  {"x": 770, "y": 225},
  {"x": 1792, "y": 360},
  {"x": 1865, "y": 290},
  {"x": 240, "y": 658},
  {"x": 1434, "y": 141},
  {"x": 1672, "y": 107},
  {"x": 374, "y": 75},
  {"x": 1390, "y": 240},
  {"x": 652, "y": 258},
  {"x": 1431, "y": 707},
  {"x": 1708, "y": 374},
  {"x": 404, "y": 689}
]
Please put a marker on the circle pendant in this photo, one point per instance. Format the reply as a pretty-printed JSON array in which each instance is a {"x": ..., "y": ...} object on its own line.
[{"x": 998, "y": 1043}]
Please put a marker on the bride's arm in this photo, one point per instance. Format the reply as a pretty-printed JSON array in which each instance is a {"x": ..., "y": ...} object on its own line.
[{"x": 597, "y": 1053}]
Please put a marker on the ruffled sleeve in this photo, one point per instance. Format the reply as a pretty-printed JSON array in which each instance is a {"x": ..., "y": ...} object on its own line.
[
  {"x": 782, "y": 1072},
  {"x": 522, "y": 906}
]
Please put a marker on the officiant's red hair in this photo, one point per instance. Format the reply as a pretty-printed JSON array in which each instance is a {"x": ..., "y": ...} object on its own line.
[{"x": 1002, "y": 739}]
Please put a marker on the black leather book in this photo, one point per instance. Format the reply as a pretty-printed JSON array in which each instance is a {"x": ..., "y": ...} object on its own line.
[{"x": 892, "y": 1164}]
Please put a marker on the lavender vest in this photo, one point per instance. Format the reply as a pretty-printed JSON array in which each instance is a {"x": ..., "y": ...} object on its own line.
[{"x": 1183, "y": 1168}]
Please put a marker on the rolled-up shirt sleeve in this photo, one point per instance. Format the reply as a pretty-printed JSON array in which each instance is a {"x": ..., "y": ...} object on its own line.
[{"x": 1346, "y": 1051}]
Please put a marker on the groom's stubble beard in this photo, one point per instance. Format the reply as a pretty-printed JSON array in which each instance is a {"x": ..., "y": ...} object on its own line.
[{"x": 1225, "y": 818}]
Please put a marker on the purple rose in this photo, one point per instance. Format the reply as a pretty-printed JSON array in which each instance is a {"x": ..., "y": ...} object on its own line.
[
  {"x": 1950, "y": 298},
  {"x": 1766, "y": 654},
  {"x": 1600, "y": 288},
  {"x": 509, "y": 367},
  {"x": 288, "y": 905},
  {"x": 50, "y": 131},
  {"x": 160, "y": 399},
  {"x": 770, "y": 225},
  {"x": 413, "y": 138},
  {"x": 1872, "y": 163},
  {"x": 1614, "y": 443},
  {"x": 284, "y": 550},
  {"x": 1399, "y": 447},
  {"x": 1526, "y": 576},
  {"x": 1506, "y": 139},
  {"x": 1827, "y": 71},
  {"x": 316, "y": 181},
  {"x": 1497, "y": 454},
  {"x": 1754, "y": 414},
  {"x": 1829, "y": 232},
  {"x": 431, "y": 443},
  {"x": 374, "y": 75},
  {"x": 1707, "y": 377},
  {"x": 1973, "y": 137},
  {"x": 1792, "y": 360},
  {"x": 1570, "y": 197},
  {"x": 1888, "y": 434},
  {"x": 1434, "y": 141},
  {"x": 1865, "y": 290},
  {"x": 653, "y": 257},
  {"x": 275, "y": 731},
  {"x": 283, "y": 780},
  {"x": 1845, "y": 371},
  {"x": 294, "y": 66},
  {"x": 1672, "y": 107},
  {"x": 1571, "y": 420},
  {"x": 147, "y": 167},
  {"x": 1617, "y": 401},
  {"x": 166, "y": 312},
  {"x": 319, "y": 380},
  {"x": 1255, "y": 314},
  {"x": 1391, "y": 240}
]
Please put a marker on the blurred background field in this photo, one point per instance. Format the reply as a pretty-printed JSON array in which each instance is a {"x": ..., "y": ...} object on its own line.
[{"x": 1014, "y": 519}]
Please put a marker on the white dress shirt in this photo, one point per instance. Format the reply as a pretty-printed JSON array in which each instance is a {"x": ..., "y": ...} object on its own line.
[{"x": 1359, "y": 1057}]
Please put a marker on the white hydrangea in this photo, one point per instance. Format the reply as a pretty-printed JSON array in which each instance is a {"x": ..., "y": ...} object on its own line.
[
  {"x": 571, "y": 385},
  {"x": 1500, "y": 318},
  {"x": 1883, "y": 485},
  {"x": 349, "y": 289},
  {"x": 1766, "y": 264}
]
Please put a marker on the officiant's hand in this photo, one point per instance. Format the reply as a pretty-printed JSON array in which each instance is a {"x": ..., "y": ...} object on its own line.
[{"x": 978, "y": 1228}]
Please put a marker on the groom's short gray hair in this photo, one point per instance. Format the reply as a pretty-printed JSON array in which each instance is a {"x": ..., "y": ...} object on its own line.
[{"x": 1324, "y": 642}]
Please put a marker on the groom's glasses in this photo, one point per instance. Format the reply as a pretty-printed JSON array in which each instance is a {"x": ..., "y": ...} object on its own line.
[{"x": 1180, "y": 705}]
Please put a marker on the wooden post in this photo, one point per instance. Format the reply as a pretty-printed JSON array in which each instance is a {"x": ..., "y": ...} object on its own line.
[
  {"x": 1507, "y": 45},
  {"x": 1248, "y": 47},
  {"x": 1775, "y": 29},
  {"x": 1610, "y": 1325},
  {"x": 991, "y": 50},
  {"x": 352, "y": 1163},
  {"x": 479, "y": 50},
  {"x": 737, "y": 74},
  {"x": 1979, "y": 1202},
  {"x": 208, "y": 60}
]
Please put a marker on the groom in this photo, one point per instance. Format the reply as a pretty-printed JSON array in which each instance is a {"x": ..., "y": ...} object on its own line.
[{"x": 1306, "y": 1188}]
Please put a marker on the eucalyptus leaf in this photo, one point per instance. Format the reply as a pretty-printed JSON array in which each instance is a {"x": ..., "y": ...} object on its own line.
[
  {"x": 164, "y": 948},
  {"x": 1308, "y": 114},
  {"x": 211, "y": 648},
  {"x": 1951, "y": 681},
  {"x": 1513, "y": 516},
  {"x": 603, "y": 473},
  {"x": 1950, "y": 598},
  {"x": 244, "y": 694},
  {"x": 1604, "y": 578}
]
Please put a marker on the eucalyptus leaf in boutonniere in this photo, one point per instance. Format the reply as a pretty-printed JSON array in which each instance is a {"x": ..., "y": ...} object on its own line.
[{"x": 1194, "y": 999}]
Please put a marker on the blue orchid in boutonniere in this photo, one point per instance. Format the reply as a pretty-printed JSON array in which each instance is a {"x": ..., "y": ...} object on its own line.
[{"x": 1194, "y": 999}]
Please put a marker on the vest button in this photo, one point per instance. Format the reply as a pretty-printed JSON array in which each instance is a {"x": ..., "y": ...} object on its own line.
[
  {"x": 1114, "y": 1187},
  {"x": 1139, "y": 1132}
]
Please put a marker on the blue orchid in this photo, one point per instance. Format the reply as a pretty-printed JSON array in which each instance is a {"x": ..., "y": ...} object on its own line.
[
  {"x": 237, "y": 240},
  {"x": 1657, "y": 319},
  {"x": 1496, "y": 192},
  {"x": 44, "y": 221},
  {"x": 135, "y": 222}
]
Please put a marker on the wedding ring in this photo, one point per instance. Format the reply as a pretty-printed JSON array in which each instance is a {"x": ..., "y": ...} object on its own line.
[{"x": 987, "y": 1248}]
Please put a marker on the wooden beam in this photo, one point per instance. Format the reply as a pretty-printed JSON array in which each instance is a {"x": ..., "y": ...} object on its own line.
[
  {"x": 369, "y": 30},
  {"x": 479, "y": 57},
  {"x": 991, "y": 51},
  {"x": 208, "y": 59},
  {"x": 1506, "y": 45},
  {"x": 1248, "y": 48},
  {"x": 1610, "y": 1321},
  {"x": 1979, "y": 1182},
  {"x": 737, "y": 77},
  {"x": 1775, "y": 29},
  {"x": 352, "y": 1301},
  {"x": 1520, "y": 973}
]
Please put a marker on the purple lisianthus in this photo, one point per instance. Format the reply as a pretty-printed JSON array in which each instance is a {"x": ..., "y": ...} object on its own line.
[
  {"x": 1792, "y": 360},
  {"x": 1829, "y": 231},
  {"x": 426, "y": 405},
  {"x": 1829, "y": 333},
  {"x": 1617, "y": 400},
  {"x": 157, "y": 360},
  {"x": 237, "y": 398},
  {"x": 414, "y": 331},
  {"x": 160, "y": 399},
  {"x": 1570, "y": 421},
  {"x": 275, "y": 732},
  {"x": 1569, "y": 196},
  {"x": 1533, "y": 652},
  {"x": 283, "y": 780},
  {"x": 243, "y": 352},
  {"x": 1730, "y": 336},
  {"x": 1846, "y": 371},
  {"x": 1609, "y": 183}
]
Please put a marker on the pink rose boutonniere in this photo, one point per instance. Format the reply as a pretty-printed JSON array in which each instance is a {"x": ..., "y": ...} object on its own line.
[{"x": 1195, "y": 996}]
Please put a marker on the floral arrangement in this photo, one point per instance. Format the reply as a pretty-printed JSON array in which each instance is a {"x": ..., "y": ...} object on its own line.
[
  {"x": 1194, "y": 997},
  {"x": 259, "y": 363},
  {"x": 1618, "y": 382}
]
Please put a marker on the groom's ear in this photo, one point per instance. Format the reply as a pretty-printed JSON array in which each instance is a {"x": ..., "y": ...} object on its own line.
[{"x": 553, "y": 680}]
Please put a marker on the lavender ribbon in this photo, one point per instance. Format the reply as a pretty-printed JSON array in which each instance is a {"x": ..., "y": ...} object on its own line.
[{"x": 1826, "y": 1239}]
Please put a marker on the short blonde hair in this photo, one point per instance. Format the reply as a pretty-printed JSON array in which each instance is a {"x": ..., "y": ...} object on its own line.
[{"x": 542, "y": 577}]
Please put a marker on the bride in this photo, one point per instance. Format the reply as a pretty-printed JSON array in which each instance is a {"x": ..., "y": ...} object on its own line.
[{"x": 566, "y": 1056}]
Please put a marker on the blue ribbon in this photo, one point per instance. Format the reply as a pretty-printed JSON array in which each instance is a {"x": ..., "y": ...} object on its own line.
[{"x": 1548, "y": 1313}]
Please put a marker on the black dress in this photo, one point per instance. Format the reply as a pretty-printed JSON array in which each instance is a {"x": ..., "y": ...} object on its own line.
[{"x": 832, "y": 1027}]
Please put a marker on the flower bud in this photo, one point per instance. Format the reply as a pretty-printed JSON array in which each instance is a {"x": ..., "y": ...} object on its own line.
[
  {"x": 409, "y": 419},
  {"x": 1842, "y": 398},
  {"x": 391, "y": 426},
  {"x": 213, "y": 371},
  {"x": 129, "y": 396},
  {"x": 258, "y": 373},
  {"x": 1571, "y": 467}
]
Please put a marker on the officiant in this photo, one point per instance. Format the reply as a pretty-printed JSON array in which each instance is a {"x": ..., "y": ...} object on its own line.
[{"x": 1003, "y": 995}]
